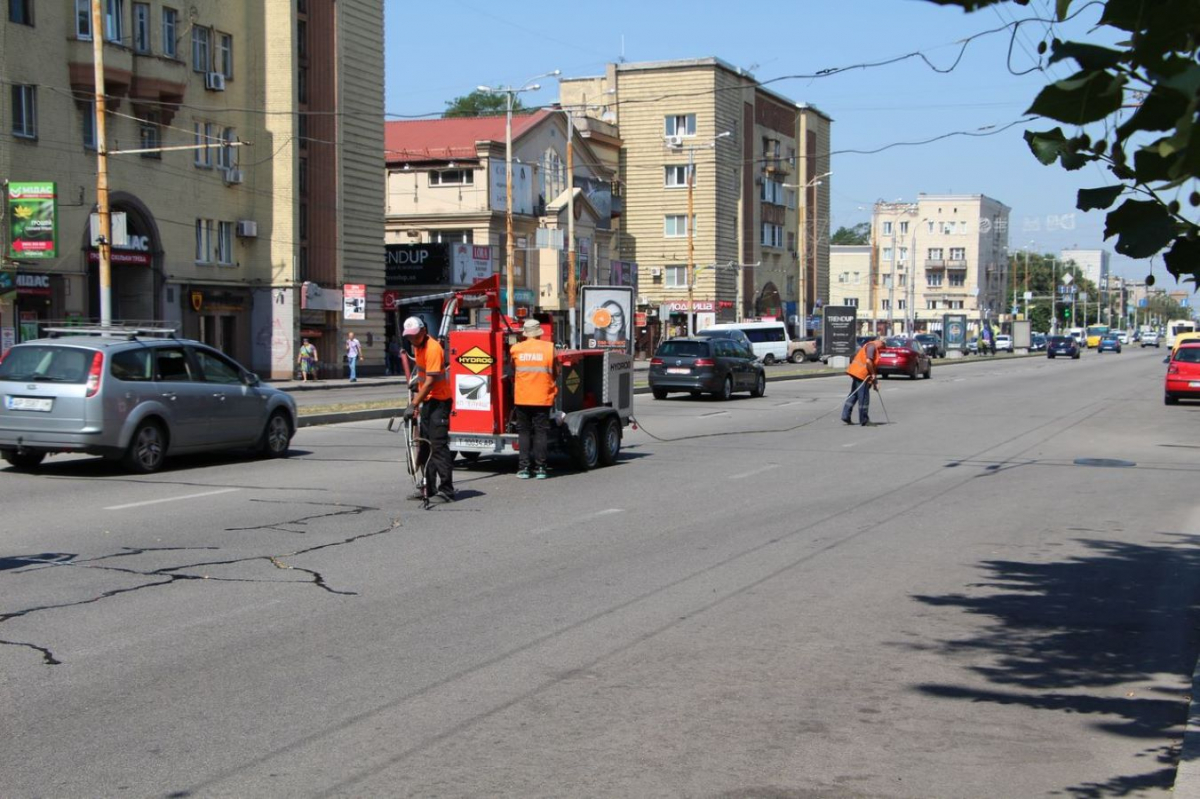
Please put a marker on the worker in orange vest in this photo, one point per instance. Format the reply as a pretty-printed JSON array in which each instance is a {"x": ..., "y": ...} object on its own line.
[
  {"x": 432, "y": 401},
  {"x": 535, "y": 382},
  {"x": 863, "y": 376}
]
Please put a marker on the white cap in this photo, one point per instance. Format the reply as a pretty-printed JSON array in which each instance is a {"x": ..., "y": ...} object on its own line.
[{"x": 413, "y": 325}]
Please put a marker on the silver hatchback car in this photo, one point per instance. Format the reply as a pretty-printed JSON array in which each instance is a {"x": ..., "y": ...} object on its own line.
[{"x": 123, "y": 395}]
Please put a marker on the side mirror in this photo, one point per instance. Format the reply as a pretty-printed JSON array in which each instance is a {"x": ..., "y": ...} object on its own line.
[
  {"x": 1167, "y": 359},
  {"x": 252, "y": 379}
]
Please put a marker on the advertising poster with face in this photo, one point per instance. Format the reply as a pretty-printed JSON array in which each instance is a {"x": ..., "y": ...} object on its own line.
[{"x": 608, "y": 318}]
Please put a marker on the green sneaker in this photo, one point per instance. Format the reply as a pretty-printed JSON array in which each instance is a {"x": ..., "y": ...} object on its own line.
[
  {"x": 523, "y": 474},
  {"x": 540, "y": 474}
]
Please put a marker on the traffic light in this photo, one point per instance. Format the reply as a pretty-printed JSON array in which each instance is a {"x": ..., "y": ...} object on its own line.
[{"x": 1066, "y": 313}]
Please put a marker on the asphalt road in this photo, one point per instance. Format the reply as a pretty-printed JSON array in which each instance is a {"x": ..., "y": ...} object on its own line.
[{"x": 767, "y": 603}]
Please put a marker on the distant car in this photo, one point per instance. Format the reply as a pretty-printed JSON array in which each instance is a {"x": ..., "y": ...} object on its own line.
[
  {"x": 904, "y": 356},
  {"x": 932, "y": 344},
  {"x": 1037, "y": 343},
  {"x": 125, "y": 396},
  {"x": 1183, "y": 374},
  {"x": 973, "y": 345},
  {"x": 1004, "y": 343},
  {"x": 802, "y": 349},
  {"x": 714, "y": 365},
  {"x": 1109, "y": 342},
  {"x": 1122, "y": 336},
  {"x": 1066, "y": 346},
  {"x": 1151, "y": 339}
]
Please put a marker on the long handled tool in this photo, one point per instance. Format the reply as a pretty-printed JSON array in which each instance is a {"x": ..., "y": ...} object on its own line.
[
  {"x": 882, "y": 404},
  {"x": 412, "y": 437}
]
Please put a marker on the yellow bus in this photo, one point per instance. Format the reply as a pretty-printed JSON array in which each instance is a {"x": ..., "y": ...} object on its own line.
[{"x": 1094, "y": 334}]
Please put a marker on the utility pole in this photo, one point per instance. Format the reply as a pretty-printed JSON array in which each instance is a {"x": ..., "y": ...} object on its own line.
[
  {"x": 572, "y": 339},
  {"x": 510, "y": 245},
  {"x": 691, "y": 243},
  {"x": 102, "y": 210},
  {"x": 1026, "y": 282}
]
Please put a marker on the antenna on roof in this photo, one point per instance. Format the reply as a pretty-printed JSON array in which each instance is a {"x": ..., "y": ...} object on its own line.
[{"x": 621, "y": 60}]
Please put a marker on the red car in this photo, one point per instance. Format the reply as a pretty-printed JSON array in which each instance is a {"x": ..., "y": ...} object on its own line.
[
  {"x": 904, "y": 356},
  {"x": 1183, "y": 374}
]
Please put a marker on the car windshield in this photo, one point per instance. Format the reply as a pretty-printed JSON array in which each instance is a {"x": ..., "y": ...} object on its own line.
[
  {"x": 1187, "y": 355},
  {"x": 895, "y": 342},
  {"x": 48, "y": 364},
  {"x": 683, "y": 349}
]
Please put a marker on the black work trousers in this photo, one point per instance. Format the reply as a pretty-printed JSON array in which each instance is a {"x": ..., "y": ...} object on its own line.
[
  {"x": 533, "y": 422},
  {"x": 434, "y": 452}
]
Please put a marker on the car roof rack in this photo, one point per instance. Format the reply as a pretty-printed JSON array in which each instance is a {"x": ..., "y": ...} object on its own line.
[{"x": 128, "y": 332}]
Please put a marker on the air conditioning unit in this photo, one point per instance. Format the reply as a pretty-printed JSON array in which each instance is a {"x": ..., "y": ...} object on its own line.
[
  {"x": 234, "y": 176},
  {"x": 247, "y": 229},
  {"x": 656, "y": 271},
  {"x": 674, "y": 141},
  {"x": 214, "y": 82}
]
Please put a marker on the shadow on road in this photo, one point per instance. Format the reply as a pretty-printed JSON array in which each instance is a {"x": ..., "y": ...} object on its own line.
[{"x": 1063, "y": 633}]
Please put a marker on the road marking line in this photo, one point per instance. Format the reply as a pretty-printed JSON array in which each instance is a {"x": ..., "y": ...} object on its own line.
[
  {"x": 607, "y": 512},
  {"x": 172, "y": 499},
  {"x": 744, "y": 475}
]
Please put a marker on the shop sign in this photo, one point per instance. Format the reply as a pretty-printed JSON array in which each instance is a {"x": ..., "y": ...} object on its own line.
[
  {"x": 31, "y": 284},
  {"x": 391, "y": 299},
  {"x": 134, "y": 250},
  {"x": 472, "y": 263},
  {"x": 702, "y": 306},
  {"x": 228, "y": 301},
  {"x": 841, "y": 324},
  {"x": 416, "y": 265},
  {"x": 33, "y": 220},
  {"x": 354, "y": 301}
]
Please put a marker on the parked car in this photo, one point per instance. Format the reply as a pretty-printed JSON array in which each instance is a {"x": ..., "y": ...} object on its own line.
[
  {"x": 932, "y": 344},
  {"x": 802, "y": 349},
  {"x": 1183, "y": 374},
  {"x": 1037, "y": 342},
  {"x": 124, "y": 396},
  {"x": 1109, "y": 343},
  {"x": 1066, "y": 346},
  {"x": 706, "y": 364},
  {"x": 973, "y": 345},
  {"x": 1004, "y": 343},
  {"x": 904, "y": 356},
  {"x": 1151, "y": 338}
]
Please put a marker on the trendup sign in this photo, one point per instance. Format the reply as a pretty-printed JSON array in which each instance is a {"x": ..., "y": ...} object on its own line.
[{"x": 841, "y": 321}]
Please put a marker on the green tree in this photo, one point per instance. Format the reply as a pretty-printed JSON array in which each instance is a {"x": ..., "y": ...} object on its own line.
[
  {"x": 859, "y": 234},
  {"x": 1154, "y": 152},
  {"x": 480, "y": 104}
]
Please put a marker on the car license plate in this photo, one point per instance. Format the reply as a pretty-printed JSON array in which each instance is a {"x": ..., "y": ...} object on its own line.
[
  {"x": 474, "y": 443},
  {"x": 1194, "y": 384},
  {"x": 674, "y": 371},
  {"x": 28, "y": 404}
]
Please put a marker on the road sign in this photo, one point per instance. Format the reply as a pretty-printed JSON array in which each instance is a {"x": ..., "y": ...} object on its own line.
[
  {"x": 1083, "y": 296},
  {"x": 1067, "y": 278},
  {"x": 1029, "y": 295},
  {"x": 1143, "y": 302}
]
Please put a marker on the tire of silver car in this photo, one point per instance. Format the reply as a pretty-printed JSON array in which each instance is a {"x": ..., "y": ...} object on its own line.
[
  {"x": 277, "y": 436},
  {"x": 147, "y": 448},
  {"x": 29, "y": 459}
]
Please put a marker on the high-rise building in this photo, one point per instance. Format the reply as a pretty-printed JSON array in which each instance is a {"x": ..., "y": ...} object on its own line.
[{"x": 243, "y": 141}]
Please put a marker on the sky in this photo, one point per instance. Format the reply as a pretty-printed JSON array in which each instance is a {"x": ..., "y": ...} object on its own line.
[{"x": 437, "y": 51}]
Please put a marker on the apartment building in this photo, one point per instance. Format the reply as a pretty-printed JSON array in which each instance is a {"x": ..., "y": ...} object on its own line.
[
  {"x": 757, "y": 163},
  {"x": 237, "y": 174},
  {"x": 447, "y": 203},
  {"x": 941, "y": 254}
]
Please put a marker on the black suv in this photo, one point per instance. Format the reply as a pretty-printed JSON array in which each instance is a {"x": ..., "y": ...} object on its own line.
[{"x": 717, "y": 366}]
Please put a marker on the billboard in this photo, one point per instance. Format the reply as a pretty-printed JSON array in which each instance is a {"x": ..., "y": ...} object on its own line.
[
  {"x": 954, "y": 331},
  {"x": 354, "y": 301},
  {"x": 840, "y": 327},
  {"x": 471, "y": 263},
  {"x": 33, "y": 220},
  {"x": 416, "y": 265},
  {"x": 608, "y": 318},
  {"x": 522, "y": 187}
]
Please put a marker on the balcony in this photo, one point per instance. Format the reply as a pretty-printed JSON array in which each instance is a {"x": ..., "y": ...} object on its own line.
[
  {"x": 935, "y": 263},
  {"x": 956, "y": 264},
  {"x": 776, "y": 166}
]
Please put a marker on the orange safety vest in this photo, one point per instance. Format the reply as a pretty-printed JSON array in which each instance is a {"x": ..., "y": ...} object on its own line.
[
  {"x": 858, "y": 366},
  {"x": 431, "y": 362},
  {"x": 533, "y": 372}
]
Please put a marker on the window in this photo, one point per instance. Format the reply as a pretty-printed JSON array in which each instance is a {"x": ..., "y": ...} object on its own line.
[
  {"x": 131, "y": 365},
  {"x": 200, "y": 54},
  {"x": 903, "y": 228},
  {"x": 887, "y": 228},
  {"x": 302, "y": 6},
  {"x": 83, "y": 19},
  {"x": 171, "y": 364},
  {"x": 851, "y": 302},
  {"x": 675, "y": 226},
  {"x": 903, "y": 254},
  {"x": 772, "y": 235},
  {"x": 962, "y": 228},
  {"x": 224, "y": 243},
  {"x": 452, "y": 177},
  {"x": 302, "y": 130},
  {"x": 791, "y": 239},
  {"x": 205, "y": 239},
  {"x": 141, "y": 27},
  {"x": 929, "y": 224},
  {"x": 114, "y": 21},
  {"x": 933, "y": 279},
  {"x": 24, "y": 111},
  {"x": 302, "y": 85},
  {"x": 954, "y": 305},
  {"x": 887, "y": 254},
  {"x": 676, "y": 276},
  {"x": 302, "y": 178},
  {"x": 935, "y": 253},
  {"x": 676, "y": 176},
  {"x": 217, "y": 369},
  {"x": 947, "y": 228},
  {"x": 772, "y": 192},
  {"x": 302, "y": 39},
  {"x": 903, "y": 280},
  {"x": 899, "y": 305},
  {"x": 89, "y": 124},
  {"x": 789, "y": 196},
  {"x": 225, "y": 54},
  {"x": 225, "y": 156},
  {"x": 203, "y": 134},
  {"x": 886, "y": 281},
  {"x": 303, "y": 221},
  {"x": 885, "y": 305},
  {"x": 680, "y": 125},
  {"x": 151, "y": 137},
  {"x": 20, "y": 12},
  {"x": 931, "y": 305},
  {"x": 170, "y": 32},
  {"x": 958, "y": 280},
  {"x": 958, "y": 254}
]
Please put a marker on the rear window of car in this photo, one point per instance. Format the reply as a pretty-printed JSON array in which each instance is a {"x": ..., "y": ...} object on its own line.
[
  {"x": 1188, "y": 354},
  {"x": 684, "y": 349},
  {"x": 902, "y": 343},
  {"x": 39, "y": 363},
  {"x": 1061, "y": 339}
]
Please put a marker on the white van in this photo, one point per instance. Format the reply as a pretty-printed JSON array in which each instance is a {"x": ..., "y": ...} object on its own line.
[{"x": 768, "y": 339}]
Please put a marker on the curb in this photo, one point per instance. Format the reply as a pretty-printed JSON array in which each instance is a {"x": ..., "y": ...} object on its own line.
[
  {"x": 341, "y": 417},
  {"x": 1187, "y": 773}
]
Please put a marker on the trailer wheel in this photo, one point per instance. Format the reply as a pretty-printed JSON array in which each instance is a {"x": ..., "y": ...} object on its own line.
[
  {"x": 610, "y": 441},
  {"x": 585, "y": 449}
]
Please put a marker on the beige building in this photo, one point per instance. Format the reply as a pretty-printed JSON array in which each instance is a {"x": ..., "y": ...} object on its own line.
[
  {"x": 757, "y": 159},
  {"x": 850, "y": 280},
  {"x": 238, "y": 180},
  {"x": 942, "y": 254}
]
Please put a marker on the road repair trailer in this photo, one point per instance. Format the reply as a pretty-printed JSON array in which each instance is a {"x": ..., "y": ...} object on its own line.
[{"x": 593, "y": 406}]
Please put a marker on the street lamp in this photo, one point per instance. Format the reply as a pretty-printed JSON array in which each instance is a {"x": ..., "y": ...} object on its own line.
[
  {"x": 807, "y": 262},
  {"x": 691, "y": 245},
  {"x": 510, "y": 93}
]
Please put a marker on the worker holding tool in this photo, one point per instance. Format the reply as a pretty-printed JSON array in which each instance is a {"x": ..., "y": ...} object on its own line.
[
  {"x": 535, "y": 383},
  {"x": 864, "y": 376},
  {"x": 432, "y": 403}
]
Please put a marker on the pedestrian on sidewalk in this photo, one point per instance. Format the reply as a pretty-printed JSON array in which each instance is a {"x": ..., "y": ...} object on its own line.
[
  {"x": 535, "y": 382},
  {"x": 863, "y": 376},
  {"x": 308, "y": 361},
  {"x": 353, "y": 353},
  {"x": 392, "y": 355},
  {"x": 432, "y": 402}
]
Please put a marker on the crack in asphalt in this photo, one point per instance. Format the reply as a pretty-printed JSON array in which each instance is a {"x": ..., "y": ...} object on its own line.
[{"x": 173, "y": 573}]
